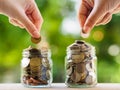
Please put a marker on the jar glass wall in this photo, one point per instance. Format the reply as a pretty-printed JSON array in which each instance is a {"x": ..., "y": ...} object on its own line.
[
  {"x": 81, "y": 65},
  {"x": 36, "y": 68}
]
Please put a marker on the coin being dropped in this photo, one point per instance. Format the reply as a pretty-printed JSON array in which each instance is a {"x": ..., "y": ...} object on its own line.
[
  {"x": 85, "y": 35},
  {"x": 35, "y": 40}
]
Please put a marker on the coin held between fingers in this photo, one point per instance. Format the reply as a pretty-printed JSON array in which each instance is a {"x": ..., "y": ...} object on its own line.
[
  {"x": 35, "y": 40},
  {"x": 84, "y": 35}
]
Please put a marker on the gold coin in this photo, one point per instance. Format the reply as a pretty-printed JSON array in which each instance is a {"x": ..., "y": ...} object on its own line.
[
  {"x": 35, "y": 61},
  {"x": 84, "y": 74},
  {"x": 35, "y": 40},
  {"x": 78, "y": 58},
  {"x": 35, "y": 64}
]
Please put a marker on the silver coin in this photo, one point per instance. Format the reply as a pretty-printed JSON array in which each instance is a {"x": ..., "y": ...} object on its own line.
[
  {"x": 48, "y": 74},
  {"x": 25, "y": 62},
  {"x": 69, "y": 64},
  {"x": 93, "y": 74},
  {"x": 89, "y": 80},
  {"x": 89, "y": 68},
  {"x": 69, "y": 71},
  {"x": 85, "y": 47},
  {"x": 45, "y": 62}
]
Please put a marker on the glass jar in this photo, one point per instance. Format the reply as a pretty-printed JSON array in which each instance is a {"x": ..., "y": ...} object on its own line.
[
  {"x": 36, "y": 68},
  {"x": 80, "y": 65}
]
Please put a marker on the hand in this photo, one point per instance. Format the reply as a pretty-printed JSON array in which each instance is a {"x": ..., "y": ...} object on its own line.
[
  {"x": 23, "y": 13},
  {"x": 96, "y": 12}
]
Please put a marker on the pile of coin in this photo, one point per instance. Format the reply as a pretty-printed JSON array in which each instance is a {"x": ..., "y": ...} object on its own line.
[
  {"x": 80, "y": 64},
  {"x": 36, "y": 67}
]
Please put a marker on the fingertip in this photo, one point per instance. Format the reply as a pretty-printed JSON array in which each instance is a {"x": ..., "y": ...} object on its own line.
[
  {"x": 36, "y": 34},
  {"x": 84, "y": 35},
  {"x": 86, "y": 29}
]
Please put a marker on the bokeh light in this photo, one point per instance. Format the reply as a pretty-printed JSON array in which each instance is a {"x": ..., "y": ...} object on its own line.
[
  {"x": 98, "y": 35},
  {"x": 113, "y": 50}
]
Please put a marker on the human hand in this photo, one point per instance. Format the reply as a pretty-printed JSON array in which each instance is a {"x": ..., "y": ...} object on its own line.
[
  {"x": 23, "y": 13},
  {"x": 96, "y": 12}
]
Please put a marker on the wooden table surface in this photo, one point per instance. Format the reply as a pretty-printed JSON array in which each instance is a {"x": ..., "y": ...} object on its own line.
[{"x": 60, "y": 86}]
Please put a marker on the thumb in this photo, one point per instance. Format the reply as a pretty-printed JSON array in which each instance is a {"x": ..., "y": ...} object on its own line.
[
  {"x": 30, "y": 27},
  {"x": 92, "y": 19}
]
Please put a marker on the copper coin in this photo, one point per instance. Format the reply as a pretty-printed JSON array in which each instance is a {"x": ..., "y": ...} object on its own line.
[
  {"x": 35, "y": 40},
  {"x": 80, "y": 67},
  {"x": 76, "y": 77}
]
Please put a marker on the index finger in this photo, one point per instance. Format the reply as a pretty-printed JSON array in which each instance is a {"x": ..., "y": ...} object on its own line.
[
  {"x": 36, "y": 15},
  {"x": 84, "y": 11}
]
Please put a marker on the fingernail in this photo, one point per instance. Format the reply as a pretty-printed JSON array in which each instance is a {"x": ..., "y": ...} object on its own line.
[
  {"x": 86, "y": 29},
  {"x": 36, "y": 34}
]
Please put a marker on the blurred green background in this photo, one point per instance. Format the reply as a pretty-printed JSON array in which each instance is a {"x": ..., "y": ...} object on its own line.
[{"x": 60, "y": 29}]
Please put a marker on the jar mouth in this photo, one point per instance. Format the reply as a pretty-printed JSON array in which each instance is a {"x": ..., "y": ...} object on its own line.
[{"x": 31, "y": 52}]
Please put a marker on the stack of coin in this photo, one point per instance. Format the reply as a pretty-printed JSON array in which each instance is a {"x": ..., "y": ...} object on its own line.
[
  {"x": 36, "y": 67},
  {"x": 81, "y": 65}
]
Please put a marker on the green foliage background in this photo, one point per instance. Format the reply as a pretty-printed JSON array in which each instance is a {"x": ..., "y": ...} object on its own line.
[{"x": 13, "y": 40}]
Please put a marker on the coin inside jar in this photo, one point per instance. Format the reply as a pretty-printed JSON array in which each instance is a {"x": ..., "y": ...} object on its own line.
[
  {"x": 80, "y": 65},
  {"x": 35, "y": 40},
  {"x": 36, "y": 68}
]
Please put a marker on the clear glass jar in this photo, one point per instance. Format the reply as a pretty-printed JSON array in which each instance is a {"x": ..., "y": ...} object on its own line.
[
  {"x": 36, "y": 67},
  {"x": 81, "y": 65}
]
